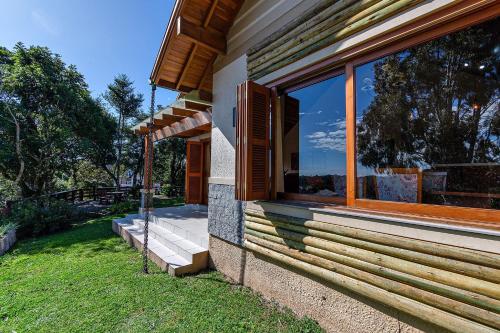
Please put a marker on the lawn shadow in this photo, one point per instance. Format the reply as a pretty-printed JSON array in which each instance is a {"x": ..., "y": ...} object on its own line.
[{"x": 90, "y": 237}]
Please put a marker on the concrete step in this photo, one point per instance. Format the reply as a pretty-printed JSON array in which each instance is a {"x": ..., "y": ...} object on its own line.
[
  {"x": 193, "y": 228},
  {"x": 183, "y": 247},
  {"x": 177, "y": 257},
  {"x": 187, "y": 230}
]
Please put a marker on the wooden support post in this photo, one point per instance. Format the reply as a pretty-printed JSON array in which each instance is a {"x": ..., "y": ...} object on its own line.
[{"x": 147, "y": 161}]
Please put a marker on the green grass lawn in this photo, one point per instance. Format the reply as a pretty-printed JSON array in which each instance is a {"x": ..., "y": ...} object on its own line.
[{"x": 88, "y": 280}]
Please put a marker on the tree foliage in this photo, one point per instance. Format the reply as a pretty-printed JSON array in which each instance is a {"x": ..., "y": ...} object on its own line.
[
  {"x": 170, "y": 163},
  {"x": 127, "y": 104},
  {"x": 435, "y": 103},
  {"x": 59, "y": 122}
]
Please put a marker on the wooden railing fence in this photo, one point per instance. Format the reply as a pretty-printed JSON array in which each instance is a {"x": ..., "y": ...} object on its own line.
[{"x": 74, "y": 195}]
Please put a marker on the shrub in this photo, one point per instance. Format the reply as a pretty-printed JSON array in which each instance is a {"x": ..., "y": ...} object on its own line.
[
  {"x": 42, "y": 217},
  {"x": 166, "y": 189},
  {"x": 124, "y": 207},
  {"x": 6, "y": 227}
]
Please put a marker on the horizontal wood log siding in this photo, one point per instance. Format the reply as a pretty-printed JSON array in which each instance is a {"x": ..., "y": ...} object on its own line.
[
  {"x": 455, "y": 288},
  {"x": 325, "y": 24}
]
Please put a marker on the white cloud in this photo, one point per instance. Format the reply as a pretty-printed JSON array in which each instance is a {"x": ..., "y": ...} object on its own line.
[
  {"x": 44, "y": 23},
  {"x": 332, "y": 140},
  {"x": 367, "y": 85},
  {"x": 316, "y": 135}
]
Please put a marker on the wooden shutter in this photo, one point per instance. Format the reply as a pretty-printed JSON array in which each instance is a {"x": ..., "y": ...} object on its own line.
[
  {"x": 252, "y": 142},
  {"x": 194, "y": 172}
]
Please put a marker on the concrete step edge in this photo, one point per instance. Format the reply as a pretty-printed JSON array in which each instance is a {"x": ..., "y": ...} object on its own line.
[
  {"x": 161, "y": 255},
  {"x": 182, "y": 247}
]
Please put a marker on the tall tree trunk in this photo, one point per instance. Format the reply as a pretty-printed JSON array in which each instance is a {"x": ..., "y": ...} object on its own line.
[
  {"x": 119, "y": 157},
  {"x": 140, "y": 162},
  {"x": 474, "y": 133},
  {"x": 19, "y": 154}
]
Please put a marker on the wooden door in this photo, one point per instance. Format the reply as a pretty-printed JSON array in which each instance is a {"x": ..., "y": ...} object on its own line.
[
  {"x": 206, "y": 171},
  {"x": 194, "y": 172}
]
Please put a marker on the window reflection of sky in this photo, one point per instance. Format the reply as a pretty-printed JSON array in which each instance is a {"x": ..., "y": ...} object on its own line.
[{"x": 322, "y": 127}]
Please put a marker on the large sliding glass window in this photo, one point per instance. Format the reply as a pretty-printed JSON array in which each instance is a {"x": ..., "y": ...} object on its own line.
[
  {"x": 428, "y": 122},
  {"x": 313, "y": 140}
]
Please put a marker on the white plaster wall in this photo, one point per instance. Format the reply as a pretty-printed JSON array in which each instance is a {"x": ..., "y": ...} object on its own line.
[{"x": 223, "y": 132}]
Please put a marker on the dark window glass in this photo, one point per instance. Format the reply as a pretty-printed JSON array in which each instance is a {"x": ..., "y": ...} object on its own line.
[
  {"x": 428, "y": 122},
  {"x": 314, "y": 159}
]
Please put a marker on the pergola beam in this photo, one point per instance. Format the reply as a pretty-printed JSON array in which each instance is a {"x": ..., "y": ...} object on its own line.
[
  {"x": 166, "y": 120},
  {"x": 199, "y": 121},
  {"x": 183, "y": 112},
  {"x": 197, "y": 34}
]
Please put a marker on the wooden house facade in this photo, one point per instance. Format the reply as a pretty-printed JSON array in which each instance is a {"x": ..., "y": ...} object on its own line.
[{"x": 349, "y": 154}]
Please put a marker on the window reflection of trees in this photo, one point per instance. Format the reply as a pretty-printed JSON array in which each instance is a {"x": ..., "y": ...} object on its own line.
[{"x": 437, "y": 104}]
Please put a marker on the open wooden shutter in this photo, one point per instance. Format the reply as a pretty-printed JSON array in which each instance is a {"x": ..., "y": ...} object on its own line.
[
  {"x": 194, "y": 172},
  {"x": 252, "y": 142}
]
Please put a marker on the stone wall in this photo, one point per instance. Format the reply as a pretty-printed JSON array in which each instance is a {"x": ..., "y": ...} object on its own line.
[
  {"x": 225, "y": 214},
  {"x": 334, "y": 308},
  {"x": 7, "y": 241}
]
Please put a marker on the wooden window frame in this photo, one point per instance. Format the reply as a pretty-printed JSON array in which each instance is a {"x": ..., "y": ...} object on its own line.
[{"x": 448, "y": 20}]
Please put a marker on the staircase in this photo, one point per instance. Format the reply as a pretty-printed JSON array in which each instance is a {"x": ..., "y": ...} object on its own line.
[{"x": 178, "y": 237}]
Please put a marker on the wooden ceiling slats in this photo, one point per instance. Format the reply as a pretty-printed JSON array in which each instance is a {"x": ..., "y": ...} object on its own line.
[
  {"x": 186, "y": 66},
  {"x": 182, "y": 66},
  {"x": 197, "y": 34},
  {"x": 211, "y": 11}
]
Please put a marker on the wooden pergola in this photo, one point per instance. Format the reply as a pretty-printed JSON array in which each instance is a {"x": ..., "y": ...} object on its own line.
[{"x": 188, "y": 116}]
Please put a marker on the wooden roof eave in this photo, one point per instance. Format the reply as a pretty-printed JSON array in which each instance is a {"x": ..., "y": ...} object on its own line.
[
  {"x": 166, "y": 37},
  {"x": 191, "y": 44}
]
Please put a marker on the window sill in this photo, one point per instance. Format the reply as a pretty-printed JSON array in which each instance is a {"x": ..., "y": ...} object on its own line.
[{"x": 465, "y": 226}]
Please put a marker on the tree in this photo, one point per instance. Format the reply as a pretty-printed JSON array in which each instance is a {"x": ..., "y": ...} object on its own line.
[
  {"x": 169, "y": 162},
  {"x": 87, "y": 175},
  {"x": 127, "y": 104},
  {"x": 436, "y": 103},
  {"x": 47, "y": 118}
]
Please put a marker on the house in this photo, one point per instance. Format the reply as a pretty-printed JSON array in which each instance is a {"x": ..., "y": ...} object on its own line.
[{"x": 348, "y": 152}]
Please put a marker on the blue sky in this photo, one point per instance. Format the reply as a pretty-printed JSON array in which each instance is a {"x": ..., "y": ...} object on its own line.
[
  {"x": 322, "y": 127},
  {"x": 101, "y": 37}
]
